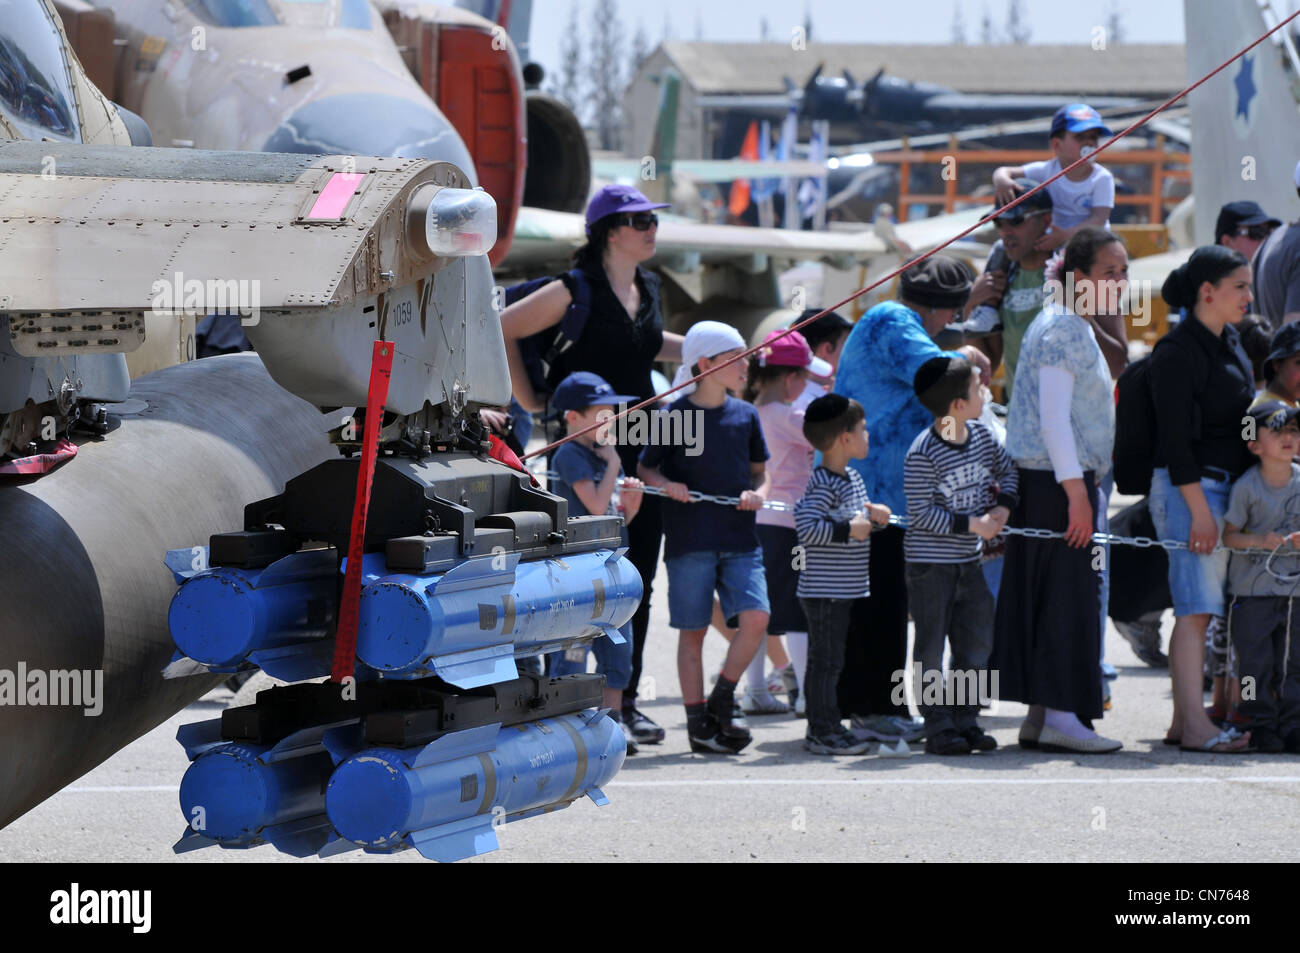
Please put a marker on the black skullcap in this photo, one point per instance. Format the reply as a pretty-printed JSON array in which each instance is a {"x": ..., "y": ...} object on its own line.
[
  {"x": 929, "y": 374},
  {"x": 829, "y": 407},
  {"x": 938, "y": 282},
  {"x": 1285, "y": 343}
]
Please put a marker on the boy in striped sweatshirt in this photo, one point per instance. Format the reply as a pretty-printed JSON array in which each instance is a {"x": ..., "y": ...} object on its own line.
[
  {"x": 833, "y": 520},
  {"x": 954, "y": 470}
]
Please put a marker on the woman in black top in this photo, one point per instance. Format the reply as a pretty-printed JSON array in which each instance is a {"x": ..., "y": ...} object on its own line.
[
  {"x": 623, "y": 338},
  {"x": 1201, "y": 386}
]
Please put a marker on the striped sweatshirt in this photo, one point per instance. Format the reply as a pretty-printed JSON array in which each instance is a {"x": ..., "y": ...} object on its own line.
[
  {"x": 834, "y": 564},
  {"x": 948, "y": 483}
]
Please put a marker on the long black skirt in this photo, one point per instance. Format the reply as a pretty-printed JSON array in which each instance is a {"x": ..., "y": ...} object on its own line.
[{"x": 1047, "y": 634}]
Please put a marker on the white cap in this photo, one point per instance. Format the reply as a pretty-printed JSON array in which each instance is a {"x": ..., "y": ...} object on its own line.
[{"x": 705, "y": 339}]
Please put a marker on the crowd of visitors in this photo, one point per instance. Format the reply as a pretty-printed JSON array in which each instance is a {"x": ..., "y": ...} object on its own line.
[{"x": 848, "y": 424}]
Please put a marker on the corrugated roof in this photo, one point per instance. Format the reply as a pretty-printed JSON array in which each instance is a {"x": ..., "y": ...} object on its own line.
[{"x": 1138, "y": 69}]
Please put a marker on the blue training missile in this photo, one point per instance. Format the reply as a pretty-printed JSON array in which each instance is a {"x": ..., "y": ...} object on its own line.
[
  {"x": 238, "y": 795},
  {"x": 468, "y": 624},
  {"x": 446, "y": 798},
  {"x": 279, "y": 618}
]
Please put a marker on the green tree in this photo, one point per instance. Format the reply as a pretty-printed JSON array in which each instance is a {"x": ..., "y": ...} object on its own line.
[
  {"x": 566, "y": 82},
  {"x": 605, "y": 74},
  {"x": 1017, "y": 23}
]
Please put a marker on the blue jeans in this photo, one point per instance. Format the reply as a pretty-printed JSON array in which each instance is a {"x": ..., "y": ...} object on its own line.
[
  {"x": 738, "y": 578},
  {"x": 612, "y": 661},
  {"x": 828, "y": 628},
  {"x": 950, "y": 602},
  {"x": 523, "y": 423},
  {"x": 1196, "y": 581}
]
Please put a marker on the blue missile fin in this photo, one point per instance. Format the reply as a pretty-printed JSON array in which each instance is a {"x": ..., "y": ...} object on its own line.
[
  {"x": 199, "y": 736},
  {"x": 447, "y": 843},
  {"x": 192, "y": 840},
  {"x": 181, "y": 562},
  {"x": 304, "y": 742},
  {"x": 296, "y": 663},
  {"x": 343, "y": 741},
  {"x": 477, "y": 667},
  {"x": 301, "y": 838},
  {"x": 182, "y": 666},
  {"x": 458, "y": 744},
  {"x": 478, "y": 572}
]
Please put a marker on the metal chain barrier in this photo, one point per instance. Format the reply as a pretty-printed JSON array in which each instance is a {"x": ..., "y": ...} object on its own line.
[{"x": 1141, "y": 542}]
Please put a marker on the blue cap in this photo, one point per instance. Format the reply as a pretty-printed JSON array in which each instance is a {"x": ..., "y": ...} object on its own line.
[
  {"x": 585, "y": 389},
  {"x": 1078, "y": 117},
  {"x": 617, "y": 199},
  {"x": 1273, "y": 414}
]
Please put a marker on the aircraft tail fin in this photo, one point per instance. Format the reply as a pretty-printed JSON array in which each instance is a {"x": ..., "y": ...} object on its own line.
[{"x": 1245, "y": 122}]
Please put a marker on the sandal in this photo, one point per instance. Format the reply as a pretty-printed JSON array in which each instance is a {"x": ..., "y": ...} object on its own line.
[{"x": 1225, "y": 737}]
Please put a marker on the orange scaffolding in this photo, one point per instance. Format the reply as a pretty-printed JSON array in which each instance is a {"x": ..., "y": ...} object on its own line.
[{"x": 1163, "y": 166}]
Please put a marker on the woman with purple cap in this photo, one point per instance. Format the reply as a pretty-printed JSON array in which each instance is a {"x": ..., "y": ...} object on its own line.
[{"x": 621, "y": 340}]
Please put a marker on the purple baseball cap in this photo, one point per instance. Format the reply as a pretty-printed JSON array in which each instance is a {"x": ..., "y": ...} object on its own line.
[
  {"x": 617, "y": 199},
  {"x": 1078, "y": 117}
]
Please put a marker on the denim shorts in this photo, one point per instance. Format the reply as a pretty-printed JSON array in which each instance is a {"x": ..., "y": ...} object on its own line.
[
  {"x": 613, "y": 661},
  {"x": 1197, "y": 582},
  {"x": 738, "y": 579}
]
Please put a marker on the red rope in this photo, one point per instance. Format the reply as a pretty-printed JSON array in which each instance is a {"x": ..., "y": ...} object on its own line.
[
  {"x": 345, "y": 637},
  {"x": 901, "y": 268}
]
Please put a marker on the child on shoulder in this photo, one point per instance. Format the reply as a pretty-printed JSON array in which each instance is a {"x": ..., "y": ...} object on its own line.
[
  {"x": 709, "y": 546},
  {"x": 949, "y": 475},
  {"x": 1080, "y": 198}
]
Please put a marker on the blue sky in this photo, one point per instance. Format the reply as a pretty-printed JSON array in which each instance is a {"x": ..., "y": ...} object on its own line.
[{"x": 915, "y": 21}]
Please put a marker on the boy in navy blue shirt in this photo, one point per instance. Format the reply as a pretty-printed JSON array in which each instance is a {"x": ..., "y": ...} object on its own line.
[
  {"x": 707, "y": 545},
  {"x": 588, "y": 471}
]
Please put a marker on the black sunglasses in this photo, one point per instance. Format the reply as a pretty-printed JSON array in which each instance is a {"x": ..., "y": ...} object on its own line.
[
  {"x": 1255, "y": 232},
  {"x": 1015, "y": 221},
  {"x": 641, "y": 221}
]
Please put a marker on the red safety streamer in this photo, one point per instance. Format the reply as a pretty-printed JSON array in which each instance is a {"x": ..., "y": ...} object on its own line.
[{"x": 345, "y": 641}]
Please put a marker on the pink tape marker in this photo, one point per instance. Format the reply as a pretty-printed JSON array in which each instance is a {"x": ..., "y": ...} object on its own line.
[{"x": 334, "y": 198}]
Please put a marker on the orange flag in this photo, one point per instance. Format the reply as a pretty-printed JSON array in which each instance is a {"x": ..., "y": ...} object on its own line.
[{"x": 739, "y": 198}]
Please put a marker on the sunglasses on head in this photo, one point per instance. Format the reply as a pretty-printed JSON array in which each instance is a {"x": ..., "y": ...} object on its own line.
[
  {"x": 1255, "y": 232},
  {"x": 1015, "y": 221},
  {"x": 641, "y": 221}
]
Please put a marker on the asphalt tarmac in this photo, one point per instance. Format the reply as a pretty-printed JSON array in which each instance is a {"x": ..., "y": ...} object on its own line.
[{"x": 776, "y": 802}]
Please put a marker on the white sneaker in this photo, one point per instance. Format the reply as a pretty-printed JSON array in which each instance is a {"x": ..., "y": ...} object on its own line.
[
  {"x": 801, "y": 706},
  {"x": 763, "y": 703}
]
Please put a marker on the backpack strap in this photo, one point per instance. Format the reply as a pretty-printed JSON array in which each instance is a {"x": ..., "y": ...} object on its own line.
[
  {"x": 573, "y": 322},
  {"x": 1201, "y": 368}
]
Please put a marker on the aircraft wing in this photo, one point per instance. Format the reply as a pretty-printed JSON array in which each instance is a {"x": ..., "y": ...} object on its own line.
[
  {"x": 545, "y": 240},
  {"x": 618, "y": 169}
]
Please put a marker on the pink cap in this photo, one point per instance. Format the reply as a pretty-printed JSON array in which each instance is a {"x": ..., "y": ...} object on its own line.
[{"x": 791, "y": 350}]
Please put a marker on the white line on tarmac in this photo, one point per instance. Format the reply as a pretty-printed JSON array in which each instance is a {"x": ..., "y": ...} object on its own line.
[
  {"x": 806, "y": 782},
  {"x": 871, "y": 782}
]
